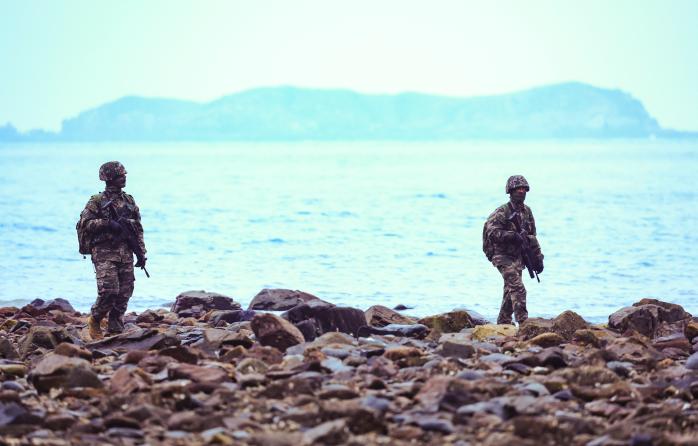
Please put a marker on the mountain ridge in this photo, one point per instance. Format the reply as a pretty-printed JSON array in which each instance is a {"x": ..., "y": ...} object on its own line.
[{"x": 288, "y": 113}]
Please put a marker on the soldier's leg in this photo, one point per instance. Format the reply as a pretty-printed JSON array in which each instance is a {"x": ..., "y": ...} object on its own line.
[
  {"x": 107, "y": 288},
  {"x": 506, "y": 308},
  {"x": 120, "y": 303},
  {"x": 518, "y": 298}
]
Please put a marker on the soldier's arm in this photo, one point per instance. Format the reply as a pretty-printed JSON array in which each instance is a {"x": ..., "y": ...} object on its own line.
[
  {"x": 91, "y": 220},
  {"x": 533, "y": 239},
  {"x": 139, "y": 227},
  {"x": 499, "y": 229}
]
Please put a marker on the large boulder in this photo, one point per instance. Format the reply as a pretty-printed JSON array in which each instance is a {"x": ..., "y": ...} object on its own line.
[
  {"x": 197, "y": 303},
  {"x": 646, "y": 316},
  {"x": 40, "y": 306},
  {"x": 380, "y": 316},
  {"x": 43, "y": 337},
  {"x": 451, "y": 322},
  {"x": 325, "y": 318},
  {"x": 279, "y": 299},
  {"x": 273, "y": 331},
  {"x": 63, "y": 372},
  {"x": 567, "y": 323}
]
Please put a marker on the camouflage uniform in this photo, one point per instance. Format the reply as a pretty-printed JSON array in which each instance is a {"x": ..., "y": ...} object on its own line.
[
  {"x": 507, "y": 258},
  {"x": 111, "y": 256}
]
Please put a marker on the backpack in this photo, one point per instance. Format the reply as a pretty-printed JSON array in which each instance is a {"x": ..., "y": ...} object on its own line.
[
  {"x": 487, "y": 244},
  {"x": 84, "y": 238}
]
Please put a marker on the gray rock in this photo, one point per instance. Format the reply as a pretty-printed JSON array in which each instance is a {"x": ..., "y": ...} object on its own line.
[{"x": 692, "y": 362}]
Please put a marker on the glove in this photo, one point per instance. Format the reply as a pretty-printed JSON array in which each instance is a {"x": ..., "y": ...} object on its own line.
[
  {"x": 539, "y": 266},
  {"x": 114, "y": 227},
  {"x": 141, "y": 263}
]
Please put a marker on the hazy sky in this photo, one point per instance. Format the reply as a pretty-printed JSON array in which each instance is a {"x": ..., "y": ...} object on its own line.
[{"x": 62, "y": 57}]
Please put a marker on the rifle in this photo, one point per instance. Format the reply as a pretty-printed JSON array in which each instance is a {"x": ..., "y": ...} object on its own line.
[
  {"x": 525, "y": 245},
  {"x": 127, "y": 234}
]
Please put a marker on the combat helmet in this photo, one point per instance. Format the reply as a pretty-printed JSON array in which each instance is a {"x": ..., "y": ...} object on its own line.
[
  {"x": 516, "y": 181},
  {"x": 110, "y": 170}
]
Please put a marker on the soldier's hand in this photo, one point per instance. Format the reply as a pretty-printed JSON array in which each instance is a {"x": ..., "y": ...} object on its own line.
[
  {"x": 114, "y": 227},
  {"x": 141, "y": 263},
  {"x": 539, "y": 267}
]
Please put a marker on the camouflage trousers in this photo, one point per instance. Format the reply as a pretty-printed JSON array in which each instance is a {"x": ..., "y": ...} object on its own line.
[
  {"x": 514, "y": 299},
  {"x": 115, "y": 282}
]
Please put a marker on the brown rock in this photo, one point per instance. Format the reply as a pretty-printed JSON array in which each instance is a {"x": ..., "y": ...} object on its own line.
[
  {"x": 72, "y": 351},
  {"x": 43, "y": 337},
  {"x": 39, "y": 306},
  {"x": 271, "y": 330},
  {"x": 533, "y": 326},
  {"x": 198, "y": 374},
  {"x": 547, "y": 340},
  {"x": 380, "y": 316},
  {"x": 281, "y": 299},
  {"x": 489, "y": 331},
  {"x": 632, "y": 349},
  {"x": 452, "y": 322},
  {"x": 197, "y": 303},
  {"x": 140, "y": 339},
  {"x": 401, "y": 352},
  {"x": 691, "y": 330},
  {"x": 129, "y": 379},
  {"x": 567, "y": 323},
  {"x": 330, "y": 432},
  {"x": 61, "y": 371},
  {"x": 443, "y": 392},
  {"x": 327, "y": 318},
  {"x": 7, "y": 350}
]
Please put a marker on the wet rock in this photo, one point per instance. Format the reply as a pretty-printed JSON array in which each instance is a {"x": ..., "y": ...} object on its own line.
[
  {"x": 63, "y": 372},
  {"x": 452, "y": 322},
  {"x": 328, "y": 318},
  {"x": 197, "y": 303},
  {"x": 409, "y": 331},
  {"x": 380, "y": 316},
  {"x": 281, "y": 299},
  {"x": 276, "y": 332},
  {"x": 39, "y": 306},
  {"x": 140, "y": 339},
  {"x": 493, "y": 331}
]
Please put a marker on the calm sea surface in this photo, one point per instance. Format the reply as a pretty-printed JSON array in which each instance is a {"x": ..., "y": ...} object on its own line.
[{"x": 363, "y": 223}]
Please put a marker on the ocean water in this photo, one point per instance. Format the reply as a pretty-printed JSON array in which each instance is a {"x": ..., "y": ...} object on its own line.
[{"x": 363, "y": 223}]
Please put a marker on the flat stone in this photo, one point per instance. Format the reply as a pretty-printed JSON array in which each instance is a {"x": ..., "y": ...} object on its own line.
[
  {"x": 380, "y": 316},
  {"x": 271, "y": 330},
  {"x": 493, "y": 331},
  {"x": 281, "y": 299}
]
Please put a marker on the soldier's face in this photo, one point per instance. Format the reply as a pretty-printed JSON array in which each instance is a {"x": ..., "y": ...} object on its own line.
[
  {"x": 518, "y": 195},
  {"x": 120, "y": 181}
]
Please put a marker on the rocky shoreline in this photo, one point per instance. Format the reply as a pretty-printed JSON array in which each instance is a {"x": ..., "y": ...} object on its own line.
[{"x": 208, "y": 372}]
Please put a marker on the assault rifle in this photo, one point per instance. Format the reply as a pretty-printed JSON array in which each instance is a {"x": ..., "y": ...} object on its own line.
[
  {"x": 526, "y": 253},
  {"x": 128, "y": 234}
]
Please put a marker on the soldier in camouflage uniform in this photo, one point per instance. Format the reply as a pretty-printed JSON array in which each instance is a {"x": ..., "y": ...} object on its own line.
[
  {"x": 502, "y": 245},
  {"x": 112, "y": 258}
]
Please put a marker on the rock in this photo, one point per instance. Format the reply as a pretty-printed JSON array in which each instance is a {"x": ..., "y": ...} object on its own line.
[
  {"x": 442, "y": 392},
  {"x": 692, "y": 362},
  {"x": 475, "y": 317},
  {"x": 646, "y": 316},
  {"x": 547, "y": 340},
  {"x": 567, "y": 323},
  {"x": 456, "y": 345},
  {"x": 380, "y": 316},
  {"x": 14, "y": 414},
  {"x": 634, "y": 350},
  {"x": 140, "y": 339},
  {"x": 271, "y": 330},
  {"x": 230, "y": 316},
  {"x": 63, "y": 372},
  {"x": 401, "y": 307},
  {"x": 339, "y": 391},
  {"x": 72, "y": 351},
  {"x": 328, "y": 318},
  {"x": 488, "y": 331},
  {"x": 533, "y": 326},
  {"x": 14, "y": 369},
  {"x": 43, "y": 337},
  {"x": 181, "y": 353},
  {"x": 691, "y": 330},
  {"x": 196, "y": 303},
  {"x": 330, "y": 432},
  {"x": 7, "y": 350},
  {"x": 129, "y": 379},
  {"x": 149, "y": 317},
  {"x": 402, "y": 352},
  {"x": 452, "y": 322},
  {"x": 198, "y": 374},
  {"x": 39, "y": 306},
  {"x": 281, "y": 299},
  {"x": 409, "y": 331}
]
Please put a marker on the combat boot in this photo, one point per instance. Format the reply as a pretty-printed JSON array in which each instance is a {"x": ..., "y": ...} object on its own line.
[
  {"x": 115, "y": 326},
  {"x": 94, "y": 328}
]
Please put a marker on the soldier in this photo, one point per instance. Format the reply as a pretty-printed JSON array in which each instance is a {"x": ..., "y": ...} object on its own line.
[
  {"x": 101, "y": 228},
  {"x": 502, "y": 246}
]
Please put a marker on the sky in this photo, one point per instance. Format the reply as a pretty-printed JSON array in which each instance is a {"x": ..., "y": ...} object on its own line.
[{"x": 62, "y": 57}]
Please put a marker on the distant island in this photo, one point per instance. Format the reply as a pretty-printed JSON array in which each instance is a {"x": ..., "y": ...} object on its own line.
[{"x": 568, "y": 110}]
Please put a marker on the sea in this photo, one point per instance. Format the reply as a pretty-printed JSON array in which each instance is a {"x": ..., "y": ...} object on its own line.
[{"x": 363, "y": 223}]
